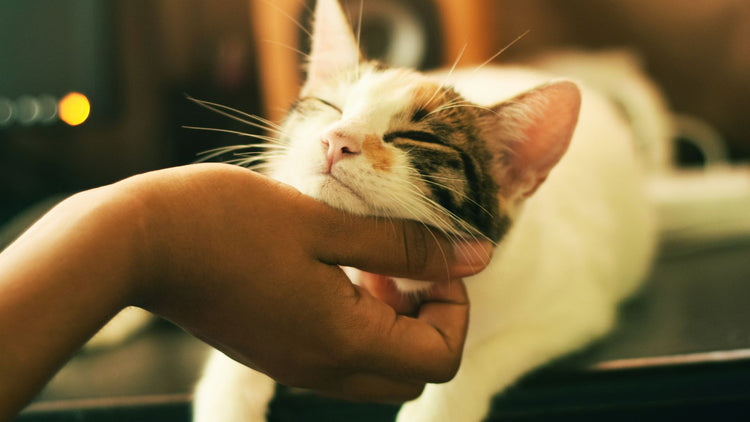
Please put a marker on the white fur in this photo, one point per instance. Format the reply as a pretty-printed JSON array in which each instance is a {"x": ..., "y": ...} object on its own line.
[
  {"x": 230, "y": 392},
  {"x": 616, "y": 73},
  {"x": 580, "y": 245},
  {"x": 368, "y": 107}
]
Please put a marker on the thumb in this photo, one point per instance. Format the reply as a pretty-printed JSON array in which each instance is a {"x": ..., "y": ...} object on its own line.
[
  {"x": 397, "y": 248},
  {"x": 384, "y": 288}
]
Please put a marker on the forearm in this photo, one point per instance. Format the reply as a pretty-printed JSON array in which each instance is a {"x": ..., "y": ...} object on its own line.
[
  {"x": 245, "y": 263},
  {"x": 59, "y": 283}
]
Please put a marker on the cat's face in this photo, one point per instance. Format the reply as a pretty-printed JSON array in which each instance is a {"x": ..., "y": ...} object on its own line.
[
  {"x": 391, "y": 142},
  {"x": 396, "y": 143}
]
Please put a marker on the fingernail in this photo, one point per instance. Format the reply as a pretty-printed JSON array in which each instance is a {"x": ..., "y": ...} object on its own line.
[{"x": 472, "y": 256}]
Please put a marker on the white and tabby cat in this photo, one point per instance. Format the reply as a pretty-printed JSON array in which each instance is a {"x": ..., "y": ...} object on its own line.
[{"x": 497, "y": 153}]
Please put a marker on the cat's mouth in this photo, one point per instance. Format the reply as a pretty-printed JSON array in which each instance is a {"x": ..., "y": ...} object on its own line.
[{"x": 340, "y": 195}]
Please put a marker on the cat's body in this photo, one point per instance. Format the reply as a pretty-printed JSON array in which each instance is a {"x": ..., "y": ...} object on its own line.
[
  {"x": 580, "y": 245},
  {"x": 569, "y": 249}
]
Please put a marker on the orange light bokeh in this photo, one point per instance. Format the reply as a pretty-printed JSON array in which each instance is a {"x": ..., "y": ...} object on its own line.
[{"x": 74, "y": 108}]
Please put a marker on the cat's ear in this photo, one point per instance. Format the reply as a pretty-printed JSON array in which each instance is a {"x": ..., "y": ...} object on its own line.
[
  {"x": 334, "y": 47},
  {"x": 530, "y": 134}
]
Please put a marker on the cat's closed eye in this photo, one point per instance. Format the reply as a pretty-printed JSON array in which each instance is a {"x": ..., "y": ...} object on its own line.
[
  {"x": 414, "y": 135},
  {"x": 322, "y": 101}
]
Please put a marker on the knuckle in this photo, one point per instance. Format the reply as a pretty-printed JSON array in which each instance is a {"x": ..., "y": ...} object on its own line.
[
  {"x": 447, "y": 371},
  {"x": 413, "y": 392}
]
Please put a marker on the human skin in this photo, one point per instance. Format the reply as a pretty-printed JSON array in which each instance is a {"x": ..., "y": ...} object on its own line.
[{"x": 245, "y": 263}]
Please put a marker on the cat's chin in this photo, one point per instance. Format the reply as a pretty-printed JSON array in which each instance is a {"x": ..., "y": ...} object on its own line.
[{"x": 333, "y": 192}]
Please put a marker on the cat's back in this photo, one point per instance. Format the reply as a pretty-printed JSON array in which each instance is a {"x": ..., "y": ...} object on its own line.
[{"x": 587, "y": 230}]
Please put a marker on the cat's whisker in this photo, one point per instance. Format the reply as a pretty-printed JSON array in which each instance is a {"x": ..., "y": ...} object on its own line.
[
  {"x": 220, "y": 151},
  {"x": 273, "y": 141},
  {"x": 228, "y": 149},
  {"x": 262, "y": 120},
  {"x": 305, "y": 5},
  {"x": 359, "y": 33},
  {"x": 227, "y": 112},
  {"x": 234, "y": 110},
  {"x": 259, "y": 163},
  {"x": 450, "y": 179},
  {"x": 288, "y": 47},
  {"x": 502, "y": 50},
  {"x": 288, "y": 16},
  {"x": 440, "y": 248},
  {"x": 451, "y": 102},
  {"x": 421, "y": 217},
  {"x": 448, "y": 76},
  {"x": 260, "y": 151},
  {"x": 460, "y": 194},
  {"x": 468, "y": 105},
  {"x": 443, "y": 93},
  {"x": 458, "y": 59},
  {"x": 438, "y": 214},
  {"x": 216, "y": 152},
  {"x": 446, "y": 106},
  {"x": 418, "y": 218},
  {"x": 279, "y": 147}
]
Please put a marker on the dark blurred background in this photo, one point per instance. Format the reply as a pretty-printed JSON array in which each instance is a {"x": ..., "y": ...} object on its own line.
[{"x": 136, "y": 60}]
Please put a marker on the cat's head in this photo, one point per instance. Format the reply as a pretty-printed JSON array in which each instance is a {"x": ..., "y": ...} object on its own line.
[{"x": 393, "y": 142}]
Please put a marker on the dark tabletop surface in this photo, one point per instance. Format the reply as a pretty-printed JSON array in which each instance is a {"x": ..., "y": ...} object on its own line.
[{"x": 683, "y": 341}]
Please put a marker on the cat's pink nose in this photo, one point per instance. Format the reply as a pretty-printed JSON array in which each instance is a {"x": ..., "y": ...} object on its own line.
[{"x": 338, "y": 147}]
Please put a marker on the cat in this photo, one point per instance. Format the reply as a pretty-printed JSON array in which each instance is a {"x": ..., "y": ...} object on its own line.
[{"x": 543, "y": 167}]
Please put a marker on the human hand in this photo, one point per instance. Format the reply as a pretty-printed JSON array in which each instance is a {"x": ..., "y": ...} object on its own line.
[
  {"x": 252, "y": 267},
  {"x": 247, "y": 264}
]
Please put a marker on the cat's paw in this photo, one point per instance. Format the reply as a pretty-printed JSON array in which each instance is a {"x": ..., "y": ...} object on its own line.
[
  {"x": 120, "y": 329},
  {"x": 231, "y": 392}
]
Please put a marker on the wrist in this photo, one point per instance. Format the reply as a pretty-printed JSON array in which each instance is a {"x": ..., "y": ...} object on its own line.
[
  {"x": 60, "y": 282},
  {"x": 133, "y": 214},
  {"x": 116, "y": 229}
]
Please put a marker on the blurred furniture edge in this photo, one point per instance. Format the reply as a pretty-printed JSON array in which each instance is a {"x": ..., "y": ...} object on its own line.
[
  {"x": 699, "y": 391},
  {"x": 276, "y": 36},
  {"x": 140, "y": 408}
]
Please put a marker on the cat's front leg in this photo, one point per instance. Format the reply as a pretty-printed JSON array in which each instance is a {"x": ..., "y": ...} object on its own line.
[
  {"x": 490, "y": 367},
  {"x": 458, "y": 400},
  {"x": 232, "y": 392}
]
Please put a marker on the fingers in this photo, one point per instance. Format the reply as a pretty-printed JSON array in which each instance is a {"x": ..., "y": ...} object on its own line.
[
  {"x": 383, "y": 288},
  {"x": 445, "y": 307},
  {"x": 396, "y": 248},
  {"x": 399, "y": 361},
  {"x": 423, "y": 349}
]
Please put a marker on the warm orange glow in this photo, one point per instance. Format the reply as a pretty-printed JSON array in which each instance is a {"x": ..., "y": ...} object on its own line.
[{"x": 74, "y": 108}]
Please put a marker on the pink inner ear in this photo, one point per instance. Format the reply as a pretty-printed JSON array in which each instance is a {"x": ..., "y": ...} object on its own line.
[
  {"x": 333, "y": 45},
  {"x": 544, "y": 119}
]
